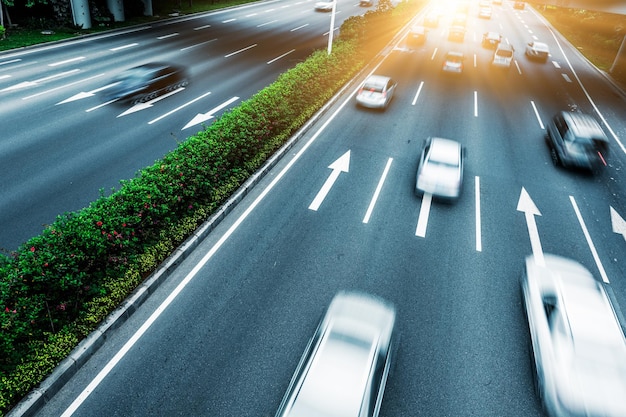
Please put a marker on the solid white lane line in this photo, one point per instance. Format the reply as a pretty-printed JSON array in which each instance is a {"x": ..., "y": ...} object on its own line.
[
  {"x": 479, "y": 239},
  {"x": 417, "y": 94},
  {"x": 422, "y": 220},
  {"x": 379, "y": 187},
  {"x": 537, "y": 114},
  {"x": 67, "y": 61},
  {"x": 171, "y": 35},
  {"x": 240, "y": 50},
  {"x": 178, "y": 108},
  {"x": 281, "y": 56},
  {"x": 475, "y": 103},
  {"x": 592, "y": 247},
  {"x": 299, "y": 27}
]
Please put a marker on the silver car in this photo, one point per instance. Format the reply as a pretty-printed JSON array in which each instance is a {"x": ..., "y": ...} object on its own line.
[
  {"x": 376, "y": 92},
  {"x": 344, "y": 368},
  {"x": 440, "y": 168},
  {"x": 578, "y": 344},
  {"x": 538, "y": 51}
]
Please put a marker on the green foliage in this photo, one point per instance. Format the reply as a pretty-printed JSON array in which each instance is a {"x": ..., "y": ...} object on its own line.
[{"x": 58, "y": 286}]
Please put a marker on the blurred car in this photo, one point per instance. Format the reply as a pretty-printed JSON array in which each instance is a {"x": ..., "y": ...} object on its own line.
[
  {"x": 456, "y": 33},
  {"x": 453, "y": 62},
  {"x": 440, "y": 168},
  {"x": 576, "y": 140},
  {"x": 366, "y": 3},
  {"x": 578, "y": 345},
  {"x": 459, "y": 19},
  {"x": 324, "y": 6},
  {"x": 497, "y": 1},
  {"x": 376, "y": 92},
  {"x": 485, "y": 12},
  {"x": 417, "y": 35},
  {"x": 146, "y": 82},
  {"x": 538, "y": 51},
  {"x": 344, "y": 368},
  {"x": 503, "y": 56},
  {"x": 519, "y": 5},
  {"x": 491, "y": 39}
]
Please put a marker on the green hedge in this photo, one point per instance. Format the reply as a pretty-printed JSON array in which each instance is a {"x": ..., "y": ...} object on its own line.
[{"x": 57, "y": 287}]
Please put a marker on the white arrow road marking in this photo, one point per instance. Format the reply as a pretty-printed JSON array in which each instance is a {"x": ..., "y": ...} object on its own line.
[
  {"x": 40, "y": 80},
  {"x": 618, "y": 223},
  {"x": 85, "y": 94},
  {"x": 422, "y": 220},
  {"x": 342, "y": 164},
  {"x": 203, "y": 117},
  {"x": 526, "y": 205},
  {"x": 142, "y": 106},
  {"x": 592, "y": 247}
]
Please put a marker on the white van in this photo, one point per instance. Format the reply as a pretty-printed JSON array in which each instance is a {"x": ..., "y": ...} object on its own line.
[{"x": 503, "y": 56}]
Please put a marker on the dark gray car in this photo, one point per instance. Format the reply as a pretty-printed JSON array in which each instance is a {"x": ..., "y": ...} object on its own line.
[{"x": 146, "y": 82}]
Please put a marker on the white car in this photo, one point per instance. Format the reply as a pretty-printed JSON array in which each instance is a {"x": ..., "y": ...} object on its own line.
[
  {"x": 324, "y": 6},
  {"x": 344, "y": 368},
  {"x": 440, "y": 168},
  {"x": 538, "y": 51},
  {"x": 485, "y": 12},
  {"x": 578, "y": 345},
  {"x": 376, "y": 92}
]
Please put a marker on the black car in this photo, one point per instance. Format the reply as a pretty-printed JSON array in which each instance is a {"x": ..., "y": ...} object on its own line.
[
  {"x": 146, "y": 82},
  {"x": 576, "y": 140}
]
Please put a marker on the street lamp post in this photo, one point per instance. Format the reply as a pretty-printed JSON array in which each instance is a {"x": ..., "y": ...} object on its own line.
[{"x": 332, "y": 27}]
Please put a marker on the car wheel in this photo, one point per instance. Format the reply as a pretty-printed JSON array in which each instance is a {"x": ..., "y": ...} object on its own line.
[{"x": 554, "y": 156}]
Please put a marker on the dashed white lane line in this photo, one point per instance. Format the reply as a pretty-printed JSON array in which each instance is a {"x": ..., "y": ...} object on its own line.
[
  {"x": 422, "y": 221},
  {"x": 592, "y": 247},
  {"x": 379, "y": 187}
]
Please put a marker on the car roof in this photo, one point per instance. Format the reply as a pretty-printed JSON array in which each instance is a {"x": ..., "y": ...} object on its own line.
[
  {"x": 379, "y": 80},
  {"x": 492, "y": 34},
  {"x": 584, "y": 126},
  {"x": 447, "y": 151},
  {"x": 454, "y": 54},
  {"x": 540, "y": 45}
]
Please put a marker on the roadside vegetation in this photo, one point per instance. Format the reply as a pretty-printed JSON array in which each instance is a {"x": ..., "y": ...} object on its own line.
[{"x": 58, "y": 286}]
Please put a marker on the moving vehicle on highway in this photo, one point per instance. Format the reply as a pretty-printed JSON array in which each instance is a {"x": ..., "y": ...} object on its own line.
[
  {"x": 537, "y": 51},
  {"x": 344, "y": 368},
  {"x": 503, "y": 56},
  {"x": 577, "y": 342},
  {"x": 146, "y": 82},
  {"x": 376, "y": 92},
  {"x": 456, "y": 33},
  {"x": 576, "y": 140},
  {"x": 491, "y": 39},
  {"x": 417, "y": 35},
  {"x": 440, "y": 168},
  {"x": 519, "y": 5},
  {"x": 453, "y": 62},
  {"x": 324, "y": 6},
  {"x": 485, "y": 12}
]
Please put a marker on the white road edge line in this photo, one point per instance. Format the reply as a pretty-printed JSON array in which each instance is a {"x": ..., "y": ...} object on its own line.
[
  {"x": 379, "y": 187},
  {"x": 479, "y": 239},
  {"x": 475, "y": 103},
  {"x": 191, "y": 275},
  {"x": 589, "y": 242}
]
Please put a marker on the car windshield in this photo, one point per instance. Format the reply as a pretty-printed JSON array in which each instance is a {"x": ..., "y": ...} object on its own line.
[
  {"x": 505, "y": 53},
  {"x": 377, "y": 88}
]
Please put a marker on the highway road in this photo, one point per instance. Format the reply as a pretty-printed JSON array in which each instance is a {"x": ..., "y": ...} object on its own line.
[
  {"x": 223, "y": 336},
  {"x": 62, "y": 142}
]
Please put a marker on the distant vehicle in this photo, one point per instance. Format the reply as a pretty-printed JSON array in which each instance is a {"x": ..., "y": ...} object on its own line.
[
  {"x": 324, "y": 6},
  {"x": 538, "y": 51},
  {"x": 459, "y": 19},
  {"x": 503, "y": 56},
  {"x": 344, "y": 368},
  {"x": 146, "y": 82},
  {"x": 519, "y": 5},
  {"x": 366, "y": 3},
  {"x": 417, "y": 35},
  {"x": 453, "y": 62},
  {"x": 440, "y": 168},
  {"x": 578, "y": 345},
  {"x": 456, "y": 33},
  {"x": 485, "y": 12},
  {"x": 497, "y": 1},
  {"x": 577, "y": 140},
  {"x": 376, "y": 92},
  {"x": 491, "y": 39}
]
